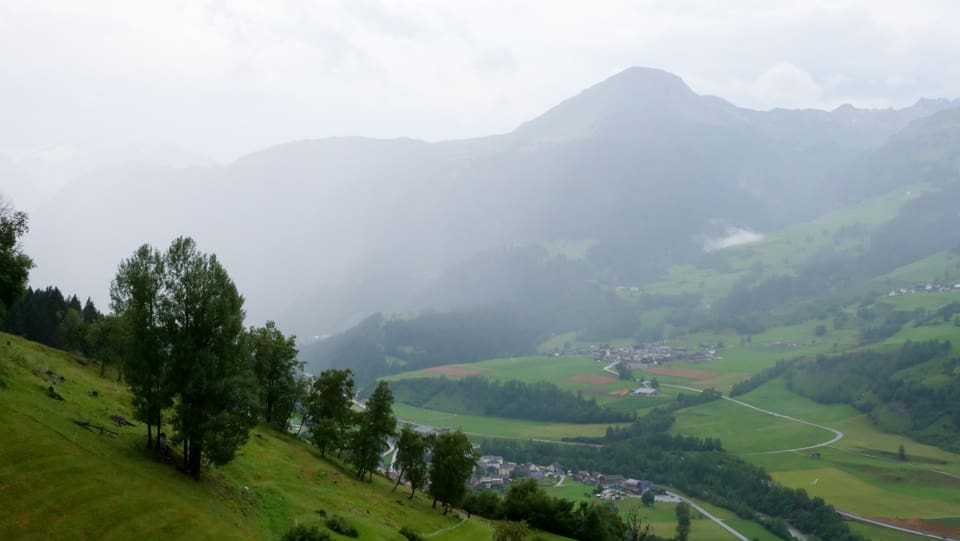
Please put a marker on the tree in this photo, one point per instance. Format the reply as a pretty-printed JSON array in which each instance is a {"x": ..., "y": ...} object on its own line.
[
  {"x": 377, "y": 423},
  {"x": 902, "y": 453},
  {"x": 184, "y": 328},
  {"x": 202, "y": 316},
  {"x": 411, "y": 459},
  {"x": 683, "y": 521},
  {"x": 637, "y": 530},
  {"x": 136, "y": 295},
  {"x": 648, "y": 498},
  {"x": 276, "y": 368},
  {"x": 14, "y": 264},
  {"x": 655, "y": 384},
  {"x": 452, "y": 464},
  {"x": 329, "y": 407},
  {"x": 105, "y": 338},
  {"x": 624, "y": 372},
  {"x": 510, "y": 531}
]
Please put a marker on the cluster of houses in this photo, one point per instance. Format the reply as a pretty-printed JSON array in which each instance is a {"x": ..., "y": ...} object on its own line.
[
  {"x": 653, "y": 353},
  {"x": 924, "y": 288},
  {"x": 494, "y": 472},
  {"x": 616, "y": 487}
]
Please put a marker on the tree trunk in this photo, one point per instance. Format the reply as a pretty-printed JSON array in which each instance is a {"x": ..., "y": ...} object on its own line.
[
  {"x": 434, "y": 503},
  {"x": 399, "y": 478},
  {"x": 149, "y": 435},
  {"x": 446, "y": 508},
  {"x": 195, "y": 460},
  {"x": 412, "y": 492},
  {"x": 103, "y": 365},
  {"x": 186, "y": 455},
  {"x": 269, "y": 411}
]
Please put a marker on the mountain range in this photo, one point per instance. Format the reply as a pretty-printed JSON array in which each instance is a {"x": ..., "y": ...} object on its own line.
[{"x": 638, "y": 169}]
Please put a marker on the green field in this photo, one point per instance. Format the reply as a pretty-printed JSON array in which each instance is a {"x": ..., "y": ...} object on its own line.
[
  {"x": 560, "y": 371},
  {"x": 745, "y": 431},
  {"x": 662, "y": 516},
  {"x": 58, "y": 480},
  {"x": 498, "y": 427},
  {"x": 859, "y": 473},
  {"x": 781, "y": 251}
]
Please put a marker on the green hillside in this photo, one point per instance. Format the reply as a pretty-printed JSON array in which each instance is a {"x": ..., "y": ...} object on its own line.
[{"x": 60, "y": 480}]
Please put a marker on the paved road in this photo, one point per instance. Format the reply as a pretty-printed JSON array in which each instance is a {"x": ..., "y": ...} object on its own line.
[
  {"x": 609, "y": 368},
  {"x": 861, "y": 518},
  {"x": 560, "y": 482},
  {"x": 837, "y": 435},
  {"x": 707, "y": 514}
]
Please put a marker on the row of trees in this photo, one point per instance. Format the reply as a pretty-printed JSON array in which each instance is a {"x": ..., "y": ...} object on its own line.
[
  {"x": 539, "y": 401},
  {"x": 698, "y": 467},
  {"x": 360, "y": 433},
  {"x": 186, "y": 351}
]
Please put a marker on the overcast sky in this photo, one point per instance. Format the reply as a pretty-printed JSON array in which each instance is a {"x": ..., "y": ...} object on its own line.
[{"x": 228, "y": 77}]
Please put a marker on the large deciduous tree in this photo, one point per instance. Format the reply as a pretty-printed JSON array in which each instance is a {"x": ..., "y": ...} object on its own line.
[
  {"x": 202, "y": 317},
  {"x": 136, "y": 296},
  {"x": 184, "y": 322},
  {"x": 377, "y": 423},
  {"x": 451, "y": 465},
  {"x": 329, "y": 404},
  {"x": 411, "y": 463},
  {"x": 14, "y": 264},
  {"x": 277, "y": 370}
]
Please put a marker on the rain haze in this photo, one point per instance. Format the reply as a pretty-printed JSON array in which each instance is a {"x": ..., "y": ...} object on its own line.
[
  {"x": 138, "y": 98},
  {"x": 665, "y": 270}
]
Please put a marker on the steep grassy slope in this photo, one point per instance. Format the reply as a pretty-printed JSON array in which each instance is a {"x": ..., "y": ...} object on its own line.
[{"x": 59, "y": 480}]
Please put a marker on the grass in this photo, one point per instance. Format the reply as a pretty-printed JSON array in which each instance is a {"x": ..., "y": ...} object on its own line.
[
  {"x": 662, "y": 516},
  {"x": 497, "y": 426},
  {"x": 940, "y": 266},
  {"x": 859, "y": 473},
  {"x": 58, "y": 480},
  {"x": 879, "y": 533},
  {"x": 743, "y": 430},
  {"x": 779, "y": 252},
  {"x": 556, "y": 370}
]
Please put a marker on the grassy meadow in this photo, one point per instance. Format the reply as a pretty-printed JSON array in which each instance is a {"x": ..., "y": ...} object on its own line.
[{"x": 58, "y": 480}]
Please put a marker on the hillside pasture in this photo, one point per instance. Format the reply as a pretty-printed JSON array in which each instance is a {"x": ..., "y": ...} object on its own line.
[
  {"x": 498, "y": 427},
  {"x": 60, "y": 481}
]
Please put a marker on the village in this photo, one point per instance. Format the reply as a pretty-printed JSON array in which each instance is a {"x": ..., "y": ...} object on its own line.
[
  {"x": 492, "y": 472},
  {"x": 933, "y": 287},
  {"x": 651, "y": 354}
]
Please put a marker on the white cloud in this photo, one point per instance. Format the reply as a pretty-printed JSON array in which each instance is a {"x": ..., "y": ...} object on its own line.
[
  {"x": 786, "y": 85},
  {"x": 229, "y": 76},
  {"x": 732, "y": 236}
]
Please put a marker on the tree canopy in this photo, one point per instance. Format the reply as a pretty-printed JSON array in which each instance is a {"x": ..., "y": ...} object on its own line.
[
  {"x": 15, "y": 265},
  {"x": 187, "y": 348}
]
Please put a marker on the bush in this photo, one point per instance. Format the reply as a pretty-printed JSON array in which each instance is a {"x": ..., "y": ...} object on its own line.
[
  {"x": 302, "y": 533},
  {"x": 410, "y": 534},
  {"x": 341, "y": 526}
]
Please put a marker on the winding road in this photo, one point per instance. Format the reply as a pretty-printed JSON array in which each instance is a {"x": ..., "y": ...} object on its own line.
[{"x": 837, "y": 435}]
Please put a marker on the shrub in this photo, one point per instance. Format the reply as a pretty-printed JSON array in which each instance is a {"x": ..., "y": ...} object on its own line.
[
  {"x": 302, "y": 533},
  {"x": 341, "y": 526},
  {"x": 410, "y": 534}
]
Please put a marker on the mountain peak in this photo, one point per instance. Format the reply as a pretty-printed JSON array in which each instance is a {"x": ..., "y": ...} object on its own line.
[{"x": 635, "y": 95}]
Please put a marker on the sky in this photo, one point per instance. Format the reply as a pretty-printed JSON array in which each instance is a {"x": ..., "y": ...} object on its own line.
[{"x": 226, "y": 77}]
